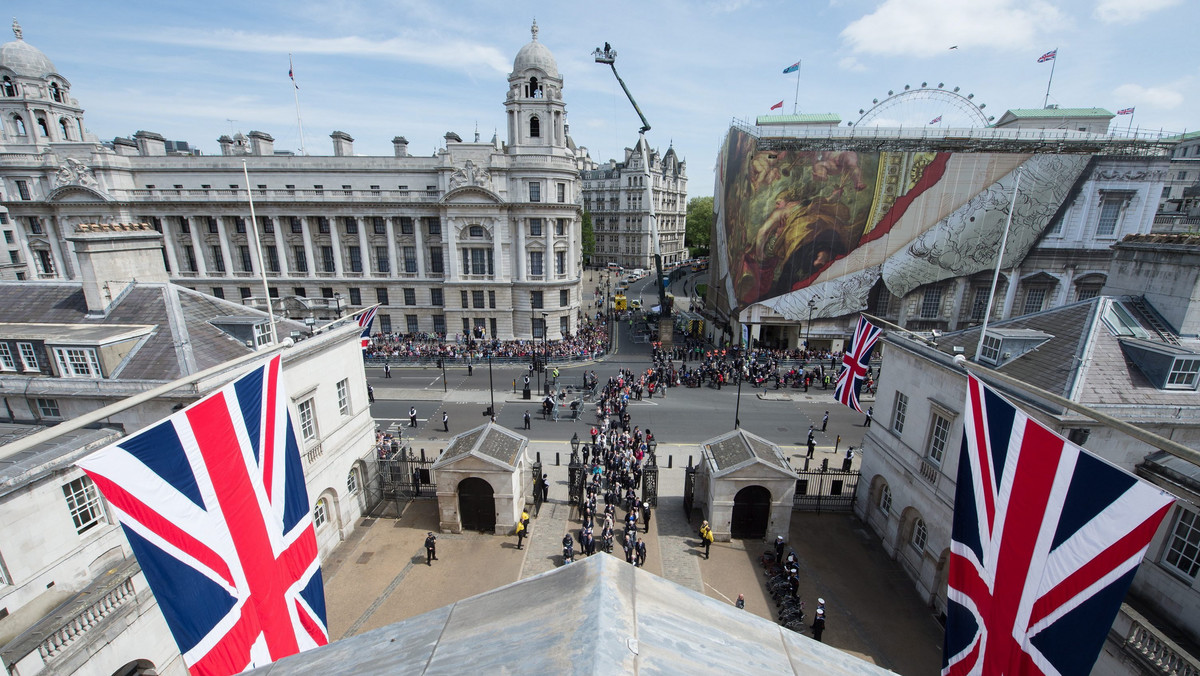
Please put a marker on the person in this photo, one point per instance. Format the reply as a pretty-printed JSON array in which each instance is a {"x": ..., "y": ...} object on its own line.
[
  {"x": 818, "y": 625},
  {"x": 522, "y": 528},
  {"x": 646, "y": 515},
  {"x": 779, "y": 547},
  {"x": 430, "y": 548},
  {"x": 370, "y": 394},
  {"x": 825, "y": 421},
  {"x": 412, "y": 416},
  {"x": 568, "y": 548},
  {"x": 640, "y": 549},
  {"x": 470, "y": 369},
  {"x": 387, "y": 370},
  {"x": 545, "y": 488},
  {"x": 628, "y": 549},
  {"x": 741, "y": 601},
  {"x": 446, "y": 421},
  {"x": 526, "y": 418},
  {"x": 870, "y": 414},
  {"x": 706, "y": 536}
]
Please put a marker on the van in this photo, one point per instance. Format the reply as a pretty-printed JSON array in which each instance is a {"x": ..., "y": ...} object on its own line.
[{"x": 614, "y": 266}]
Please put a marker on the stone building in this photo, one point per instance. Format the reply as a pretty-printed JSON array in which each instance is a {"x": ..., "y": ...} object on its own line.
[
  {"x": 483, "y": 237},
  {"x": 615, "y": 196}
]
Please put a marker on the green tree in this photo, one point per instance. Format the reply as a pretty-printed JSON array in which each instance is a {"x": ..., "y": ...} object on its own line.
[
  {"x": 588, "y": 238},
  {"x": 699, "y": 222}
]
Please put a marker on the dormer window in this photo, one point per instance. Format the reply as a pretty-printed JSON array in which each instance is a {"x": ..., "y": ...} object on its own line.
[
  {"x": 77, "y": 362},
  {"x": 1002, "y": 345},
  {"x": 535, "y": 128},
  {"x": 1183, "y": 374},
  {"x": 991, "y": 349}
]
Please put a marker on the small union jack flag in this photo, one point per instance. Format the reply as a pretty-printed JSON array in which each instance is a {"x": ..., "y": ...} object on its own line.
[
  {"x": 854, "y": 363},
  {"x": 365, "y": 318},
  {"x": 1048, "y": 56},
  {"x": 213, "y": 503},
  {"x": 1046, "y": 540},
  {"x": 1125, "y": 111},
  {"x": 936, "y": 120}
]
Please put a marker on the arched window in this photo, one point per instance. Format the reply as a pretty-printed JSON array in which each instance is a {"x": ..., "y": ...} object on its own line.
[
  {"x": 885, "y": 500},
  {"x": 55, "y": 92},
  {"x": 533, "y": 91},
  {"x": 475, "y": 231},
  {"x": 19, "y": 124},
  {"x": 919, "y": 535},
  {"x": 535, "y": 127},
  {"x": 66, "y": 131},
  {"x": 42, "y": 126},
  {"x": 319, "y": 513},
  {"x": 352, "y": 481},
  {"x": 10, "y": 89}
]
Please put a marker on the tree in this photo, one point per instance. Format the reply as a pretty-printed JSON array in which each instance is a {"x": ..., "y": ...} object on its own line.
[
  {"x": 699, "y": 222},
  {"x": 587, "y": 238}
]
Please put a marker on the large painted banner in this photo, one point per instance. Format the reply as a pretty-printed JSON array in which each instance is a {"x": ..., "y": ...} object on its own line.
[{"x": 828, "y": 224}]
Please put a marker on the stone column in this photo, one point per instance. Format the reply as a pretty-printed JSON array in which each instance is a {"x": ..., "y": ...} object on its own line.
[
  {"x": 198, "y": 249},
  {"x": 169, "y": 247},
  {"x": 393, "y": 262},
  {"x": 310, "y": 252},
  {"x": 336, "y": 241},
  {"x": 281, "y": 248},
  {"x": 223, "y": 238}
]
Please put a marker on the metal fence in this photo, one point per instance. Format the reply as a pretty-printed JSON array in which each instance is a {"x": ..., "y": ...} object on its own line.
[
  {"x": 825, "y": 491},
  {"x": 400, "y": 476}
]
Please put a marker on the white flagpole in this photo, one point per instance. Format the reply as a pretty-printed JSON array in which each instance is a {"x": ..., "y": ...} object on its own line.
[
  {"x": 999, "y": 261},
  {"x": 1053, "y": 63},
  {"x": 796, "y": 101},
  {"x": 262, "y": 269},
  {"x": 296, "y": 93},
  {"x": 1131, "y": 121}
]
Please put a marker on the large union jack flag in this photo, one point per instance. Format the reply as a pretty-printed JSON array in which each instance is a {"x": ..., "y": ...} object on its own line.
[
  {"x": 1046, "y": 540},
  {"x": 213, "y": 503},
  {"x": 365, "y": 318},
  {"x": 854, "y": 363}
]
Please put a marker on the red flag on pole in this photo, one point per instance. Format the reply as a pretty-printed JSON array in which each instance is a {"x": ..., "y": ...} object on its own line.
[{"x": 777, "y": 106}]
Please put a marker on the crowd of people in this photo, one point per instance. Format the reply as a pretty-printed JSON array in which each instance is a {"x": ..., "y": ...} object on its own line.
[{"x": 589, "y": 342}]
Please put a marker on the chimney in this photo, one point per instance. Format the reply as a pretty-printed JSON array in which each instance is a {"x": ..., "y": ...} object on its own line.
[
  {"x": 226, "y": 144},
  {"x": 125, "y": 146},
  {"x": 451, "y": 137},
  {"x": 343, "y": 145},
  {"x": 114, "y": 256},
  {"x": 261, "y": 143},
  {"x": 150, "y": 143},
  {"x": 401, "y": 145}
]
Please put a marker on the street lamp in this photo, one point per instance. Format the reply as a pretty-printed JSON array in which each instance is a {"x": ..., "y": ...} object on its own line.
[
  {"x": 546, "y": 348},
  {"x": 575, "y": 447},
  {"x": 651, "y": 446},
  {"x": 812, "y": 306},
  {"x": 337, "y": 299}
]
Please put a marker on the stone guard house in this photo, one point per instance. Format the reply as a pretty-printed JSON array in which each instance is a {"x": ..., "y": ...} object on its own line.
[
  {"x": 482, "y": 478},
  {"x": 746, "y": 486}
]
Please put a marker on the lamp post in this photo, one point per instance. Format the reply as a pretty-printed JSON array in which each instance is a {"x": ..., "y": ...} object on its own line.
[
  {"x": 575, "y": 447},
  {"x": 491, "y": 388},
  {"x": 812, "y": 306},
  {"x": 337, "y": 299},
  {"x": 651, "y": 446},
  {"x": 546, "y": 349}
]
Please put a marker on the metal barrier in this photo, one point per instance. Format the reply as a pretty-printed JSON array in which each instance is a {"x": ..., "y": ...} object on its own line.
[{"x": 818, "y": 491}]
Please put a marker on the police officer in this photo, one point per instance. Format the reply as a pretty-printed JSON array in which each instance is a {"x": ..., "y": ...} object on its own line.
[{"x": 446, "y": 420}]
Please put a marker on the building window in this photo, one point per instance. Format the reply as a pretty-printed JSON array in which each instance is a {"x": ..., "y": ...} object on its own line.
[
  {"x": 564, "y": 298},
  {"x": 885, "y": 500},
  {"x": 1087, "y": 293},
  {"x": 561, "y": 190},
  {"x": 190, "y": 254},
  {"x": 35, "y": 225},
  {"x": 475, "y": 231},
  {"x": 883, "y": 301},
  {"x": 539, "y": 328},
  {"x": 535, "y": 263},
  {"x": 406, "y": 225},
  {"x": 218, "y": 258},
  {"x": 560, "y": 227},
  {"x": 560, "y": 263},
  {"x": 381, "y": 295},
  {"x": 84, "y": 504},
  {"x": 320, "y": 516},
  {"x": 355, "y": 258},
  {"x": 1183, "y": 374},
  {"x": 352, "y": 481},
  {"x": 355, "y": 296},
  {"x": 268, "y": 226},
  {"x": 436, "y": 298},
  {"x": 899, "y": 413},
  {"x": 244, "y": 291},
  {"x": 272, "y": 254},
  {"x": 381, "y": 259},
  {"x": 1110, "y": 212},
  {"x": 564, "y": 325},
  {"x": 1035, "y": 299},
  {"x": 991, "y": 349},
  {"x": 919, "y": 535},
  {"x": 77, "y": 362},
  {"x": 7, "y": 362},
  {"x": 413, "y": 325},
  {"x": 218, "y": 292},
  {"x": 410, "y": 258},
  {"x": 979, "y": 303},
  {"x": 351, "y": 225},
  {"x": 535, "y": 300},
  {"x": 535, "y": 227},
  {"x": 535, "y": 191},
  {"x": 380, "y": 226},
  {"x": 322, "y": 225},
  {"x": 247, "y": 262},
  {"x": 439, "y": 324},
  {"x": 939, "y": 436},
  {"x": 308, "y": 421},
  {"x": 477, "y": 299},
  {"x": 410, "y": 296},
  {"x": 48, "y": 408},
  {"x": 931, "y": 303},
  {"x": 434, "y": 225},
  {"x": 239, "y": 224},
  {"x": 22, "y": 186},
  {"x": 385, "y": 323},
  {"x": 343, "y": 395},
  {"x": 435, "y": 260},
  {"x": 477, "y": 261},
  {"x": 492, "y": 300},
  {"x": 535, "y": 131},
  {"x": 301, "y": 258},
  {"x": 299, "y": 291},
  {"x": 327, "y": 260},
  {"x": 1183, "y": 554},
  {"x": 297, "y": 226},
  {"x": 464, "y": 299}
]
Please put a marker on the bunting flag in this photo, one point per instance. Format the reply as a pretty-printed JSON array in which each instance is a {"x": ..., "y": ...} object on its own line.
[{"x": 1045, "y": 543}]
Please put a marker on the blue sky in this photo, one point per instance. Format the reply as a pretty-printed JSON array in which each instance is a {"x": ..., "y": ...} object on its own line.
[{"x": 419, "y": 69}]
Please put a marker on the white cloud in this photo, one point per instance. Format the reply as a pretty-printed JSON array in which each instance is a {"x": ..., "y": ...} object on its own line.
[
  {"x": 851, "y": 64},
  {"x": 1165, "y": 97},
  {"x": 929, "y": 27},
  {"x": 429, "y": 50},
  {"x": 1129, "y": 11}
]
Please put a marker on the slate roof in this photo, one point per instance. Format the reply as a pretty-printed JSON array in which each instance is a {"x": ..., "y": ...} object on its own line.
[
  {"x": 739, "y": 447},
  {"x": 489, "y": 441},
  {"x": 180, "y": 318},
  {"x": 596, "y": 616},
  {"x": 16, "y": 469}
]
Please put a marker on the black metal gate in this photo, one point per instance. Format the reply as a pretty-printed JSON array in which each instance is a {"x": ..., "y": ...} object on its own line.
[
  {"x": 403, "y": 476},
  {"x": 818, "y": 491},
  {"x": 575, "y": 479},
  {"x": 650, "y": 481},
  {"x": 689, "y": 491}
]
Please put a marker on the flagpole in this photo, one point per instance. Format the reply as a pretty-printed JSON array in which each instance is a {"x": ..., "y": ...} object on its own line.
[
  {"x": 1130, "y": 128},
  {"x": 262, "y": 269},
  {"x": 999, "y": 261},
  {"x": 296, "y": 93},
  {"x": 1053, "y": 63},
  {"x": 796, "y": 101}
]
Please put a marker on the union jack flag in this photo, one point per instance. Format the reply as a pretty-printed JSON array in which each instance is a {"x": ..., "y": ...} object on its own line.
[
  {"x": 854, "y": 363},
  {"x": 1125, "y": 111},
  {"x": 213, "y": 503},
  {"x": 364, "y": 322},
  {"x": 1048, "y": 56},
  {"x": 1046, "y": 540},
  {"x": 936, "y": 120}
]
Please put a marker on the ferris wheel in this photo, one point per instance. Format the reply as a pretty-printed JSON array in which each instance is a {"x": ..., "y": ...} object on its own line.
[{"x": 925, "y": 106}]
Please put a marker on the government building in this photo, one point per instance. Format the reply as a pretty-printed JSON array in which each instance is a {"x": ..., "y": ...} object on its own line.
[{"x": 482, "y": 238}]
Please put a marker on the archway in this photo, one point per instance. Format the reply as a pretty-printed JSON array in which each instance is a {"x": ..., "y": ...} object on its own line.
[
  {"x": 476, "y": 505},
  {"x": 137, "y": 668},
  {"x": 941, "y": 579},
  {"x": 751, "y": 512}
]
